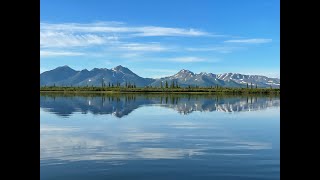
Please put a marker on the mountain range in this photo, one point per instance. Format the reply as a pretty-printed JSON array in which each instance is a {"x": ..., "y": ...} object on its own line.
[{"x": 66, "y": 76}]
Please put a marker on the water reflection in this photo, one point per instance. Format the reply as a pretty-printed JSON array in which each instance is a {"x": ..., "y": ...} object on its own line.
[
  {"x": 121, "y": 105},
  {"x": 153, "y": 139},
  {"x": 176, "y": 140}
]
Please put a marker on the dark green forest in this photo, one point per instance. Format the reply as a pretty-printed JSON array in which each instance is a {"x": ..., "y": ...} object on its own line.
[{"x": 166, "y": 88}]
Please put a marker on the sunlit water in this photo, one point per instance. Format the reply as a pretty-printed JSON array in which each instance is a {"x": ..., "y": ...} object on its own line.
[{"x": 159, "y": 137}]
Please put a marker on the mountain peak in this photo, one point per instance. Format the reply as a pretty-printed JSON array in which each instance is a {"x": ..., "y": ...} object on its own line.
[
  {"x": 119, "y": 67},
  {"x": 122, "y": 69},
  {"x": 184, "y": 71},
  {"x": 65, "y": 67},
  {"x": 97, "y": 69}
]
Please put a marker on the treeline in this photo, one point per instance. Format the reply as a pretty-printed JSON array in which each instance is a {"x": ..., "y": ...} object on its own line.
[
  {"x": 116, "y": 85},
  {"x": 172, "y": 88}
]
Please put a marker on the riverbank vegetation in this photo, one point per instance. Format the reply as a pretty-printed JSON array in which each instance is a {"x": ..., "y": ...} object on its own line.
[{"x": 165, "y": 89}]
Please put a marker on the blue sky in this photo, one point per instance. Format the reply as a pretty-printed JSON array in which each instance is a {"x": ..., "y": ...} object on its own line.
[{"x": 160, "y": 37}]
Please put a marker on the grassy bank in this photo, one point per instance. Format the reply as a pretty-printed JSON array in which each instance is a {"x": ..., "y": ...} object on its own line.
[{"x": 199, "y": 90}]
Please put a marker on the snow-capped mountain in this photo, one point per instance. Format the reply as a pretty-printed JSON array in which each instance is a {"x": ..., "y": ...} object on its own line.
[
  {"x": 67, "y": 76},
  {"x": 186, "y": 78}
]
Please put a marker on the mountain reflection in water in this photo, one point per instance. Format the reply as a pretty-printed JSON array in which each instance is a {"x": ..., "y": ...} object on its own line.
[{"x": 121, "y": 105}]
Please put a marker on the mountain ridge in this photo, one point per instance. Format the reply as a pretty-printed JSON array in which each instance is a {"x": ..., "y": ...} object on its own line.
[{"x": 66, "y": 76}]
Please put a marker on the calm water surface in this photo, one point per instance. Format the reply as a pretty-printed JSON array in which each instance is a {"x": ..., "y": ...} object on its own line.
[{"x": 159, "y": 137}]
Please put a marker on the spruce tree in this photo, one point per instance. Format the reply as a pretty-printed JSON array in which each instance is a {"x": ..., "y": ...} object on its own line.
[{"x": 166, "y": 84}]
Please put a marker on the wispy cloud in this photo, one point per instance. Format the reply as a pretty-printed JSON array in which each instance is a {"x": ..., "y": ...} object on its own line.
[
  {"x": 141, "y": 47},
  {"x": 249, "y": 41},
  {"x": 63, "y": 39},
  {"x": 184, "y": 59},
  {"x": 222, "y": 49},
  {"x": 59, "y": 53},
  {"x": 109, "y": 35},
  {"x": 164, "y": 31},
  {"x": 187, "y": 59},
  {"x": 120, "y": 40},
  {"x": 113, "y": 27}
]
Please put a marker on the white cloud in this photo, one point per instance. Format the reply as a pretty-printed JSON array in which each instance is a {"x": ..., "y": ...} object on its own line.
[
  {"x": 222, "y": 49},
  {"x": 88, "y": 28},
  {"x": 165, "y": 31},
  {"x": 63, "y": 39},
  {"x": 182, "y": 59},
  {"x": 249, "y": 41},
  {"x": 44, "y": 53},
  {"x": 141, "y": 47},
  {"x": 60, "y": 39},
  {"x": 69, "y": 35},
  {"x": 105, "y": 27}
]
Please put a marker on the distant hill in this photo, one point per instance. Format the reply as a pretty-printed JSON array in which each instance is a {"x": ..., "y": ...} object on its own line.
[{"x": 66, "y": 76}]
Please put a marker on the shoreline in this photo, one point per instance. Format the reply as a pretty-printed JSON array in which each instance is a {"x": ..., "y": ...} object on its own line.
[{"x": 235, "y": 92}]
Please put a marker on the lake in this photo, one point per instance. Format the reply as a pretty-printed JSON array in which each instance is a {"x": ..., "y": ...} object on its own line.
[{"x": 159, "y": 136}]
